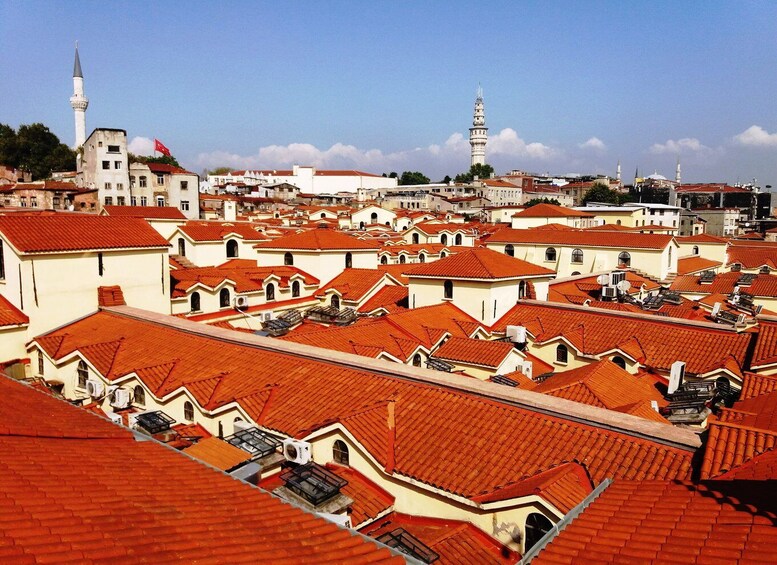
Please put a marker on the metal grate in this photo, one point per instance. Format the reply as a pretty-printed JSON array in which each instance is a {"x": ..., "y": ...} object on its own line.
[
  {"x": 254, "y": 442},
  {"x": 439, "y": 365},
  {"x": 502, "y": 380},
  {"x": 291, "y": 317},
  {"x": 276, "y": 327},
  {"x": 746, "y": 279},
  {"x": 707, "y": 277},
  {"x": 313, "y": 483},
  {"x": 727, "y": 317},
  {"x": 408, "y": 544},
  {"x": 672, "y": 297},
  {"x": 155, "y": 422},
  {"x": 653, "y": 302}
]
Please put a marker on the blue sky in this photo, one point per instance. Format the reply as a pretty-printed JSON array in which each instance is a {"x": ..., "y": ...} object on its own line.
[{"x": 382, "y": 86}]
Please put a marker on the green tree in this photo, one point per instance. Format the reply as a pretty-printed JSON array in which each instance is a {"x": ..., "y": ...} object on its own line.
[
  {"x": 219, "y": 171},
  {"x": 413, "y": 177},
  {"x": 35, "y": 149},
  {"x": 164, "y": 159},
  {"x": 446, "y": 180},
  {"x": 535, "y": 201},
  {"x": 601, "y": 192},
  {"x": 480, "y": 171}
]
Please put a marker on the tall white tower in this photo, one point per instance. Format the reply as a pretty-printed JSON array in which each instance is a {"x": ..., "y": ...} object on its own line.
[
  {"x": 677, "y": 175},
  {"x": 618, "y": 172},
  {"x": 79, "y": 102},
  {"x": 478, "y": 133}
]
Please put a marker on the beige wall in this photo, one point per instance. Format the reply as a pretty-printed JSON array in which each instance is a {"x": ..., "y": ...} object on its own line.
[
  {"x": 324, "y": 265},
  {"x": 207, "y": 253},
  {"x": 711, "y": 251},
  {"x": 13, "y": 341}
]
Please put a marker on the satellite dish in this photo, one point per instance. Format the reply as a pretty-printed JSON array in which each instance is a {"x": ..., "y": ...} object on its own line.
[
  {"x": 624, "y": 285},
  {"x": 603, "y": 279}
]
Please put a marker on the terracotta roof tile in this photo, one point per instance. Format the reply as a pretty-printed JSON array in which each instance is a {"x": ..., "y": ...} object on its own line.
[
  {"x": 353, "y": 284},
  {"x": 479, "y": 263},
  {"x": 582, "y": 238},
  {"x": 544, "y": 210},
  {"x": 752, "y": 256},
  {"x": 146, "y": 212},
  {"x": 475, "y": 351},
  {"x": 696, "y": 264},
  {"x": 319, "y": 240},
  {"x": 218, "y": 453},
  {"x": 370, "y": 501},
  {"x": 10, "y": 315},
  {"x": 75, "y": 232},
  {"x": 217, "y": 231},
  {"x": 724, "y": 283},
  {"x": 392, "y": 298},
  {"x": 110, "y": 296}
]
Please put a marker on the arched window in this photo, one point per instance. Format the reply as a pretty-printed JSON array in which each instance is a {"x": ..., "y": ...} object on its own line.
[
  {"x": 577, "y": 255},
  {"x": 562, "y": 354},
  {"x": 444, "y": 239},
  {"x": 232, "y": 248},
  {"x": 510, "y": 250},
  {"x": 447, "y": 289},
  {"x": 669, "y": 257},
  {"x": 340, "y": 452},
  {"x": 457, "y": 239},
  {"x": 415, "y": 239},
  {"x": 194, "y": 301},
  {"x": 224, "y": 298},
  {"x": 617, "y": 222},
  {"x": 348, "y": 260},
  {"x": 374, "y": 217},
  {"x": 443, "y": 254},
  {"x": 522, "y": 289},
  {"x": 421, "y": 258},
  {"x": 181, "y": 247},
  {"x": 295, "y": 289},
  {"x": 361, "y": 225},
  {"x": 550, "y": 254},
  {"x": 139, "y": 396},
  {"x": 188, "y": 411},
  {"x": 537, "y": 526},
  {"x": 384, "y": 260},
  {"x": 269, "y": 292},
  {"x": 574, "y": 273},
  {"x": 402, "y": 259},
  {"x": 288, "y": 259},
  {"x": 620, "y": 361},
  {"x": 695, "y": 250},
  {"x": 83, "y": 374},
  {"x": 417, "y": 360},
  {"x": 323, "y": 215},
  {"x": 335, "y": 301},
  {"x": 624, "y": 259}
]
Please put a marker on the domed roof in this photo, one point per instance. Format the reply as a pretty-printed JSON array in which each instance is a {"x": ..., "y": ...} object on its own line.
[{"x": 656, "y": 176}]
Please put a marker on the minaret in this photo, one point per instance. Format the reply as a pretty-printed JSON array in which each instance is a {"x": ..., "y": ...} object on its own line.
[
  {"x": 79, "y": 102},
  {"x": 478, "y": 133},
  {"x": 618, "y": 172},
  {"x": 677, "y": 176}
]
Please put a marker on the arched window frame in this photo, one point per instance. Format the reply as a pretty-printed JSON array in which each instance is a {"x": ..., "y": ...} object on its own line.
[
  {"x": 269, "y": 292},
  {"x": 447, "y": 289},
  {"x": 139, "y": 395},
  {"x": 510, "y": 250},
  {"x": 550, "y": 254},
  {"x": 232, "y": 249},
  {"x": 624, "y": 259},
  {"x": 295, "y": 289},
  {"x": 334, "y": 301},
  {"x": 537, "y": 525},
  {"x": 188, "y": 411},
  {"x": 348, "y": 260},
  {"x": 577, "y": 256},
  {"x": 194, "y": 302},
  {"x": 562, "y": 354},
  {"x": 82, "y": 373},
  {"x": 288, "y": 259},
  {"x": 340, "y": 453},
  {"x": 224, "y": 299},
  {"x": 620, "y": 361}
]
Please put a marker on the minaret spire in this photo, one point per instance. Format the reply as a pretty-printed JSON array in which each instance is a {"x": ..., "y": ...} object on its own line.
[
  {"x": 618, "y": 171},
  {"x": 478, "y": 133},
  {"x": 78, "y": 101},
  {"x": 677, "y": 175}
]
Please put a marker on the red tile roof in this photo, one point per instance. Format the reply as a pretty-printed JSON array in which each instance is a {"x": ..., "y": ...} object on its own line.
[
  {"x": 294, "y": 395},
  {"x": 671, "y": 522},
  {"x": 452, "y": 540},
  {"x": 695, "y": 264},
  {"x": 353, "y": 284},
  {"x": 10, "y": 315},
  {"x": 217, "y": 231},
  {"x": 724, "y": 283},
  {"x": 218, "y": 453},
  {"x": 76, "y": 232},
  {"x": 246, "y": 276},
  {"x": 77, "y": 488},
  {"x": 578, "y": 290},
  {"x": 489, "y": 354},
  {"x": 752, "y": 256},
  {"x": 369, "y": 500},
  {"x": 582, "y": 238},
  {"x": 165, "y": 168},
  {"x": 435, "y": 227},
  {"x": 701, "y": 238},
  {"x": 479, "y": 263},
  {"x": 654, "y": 342},
  {"x": 393, "y": 298},
  {"x": 110, "y": 296},
  {"x": 147, "y": 212},
  {"x": 321, "y": 239}
]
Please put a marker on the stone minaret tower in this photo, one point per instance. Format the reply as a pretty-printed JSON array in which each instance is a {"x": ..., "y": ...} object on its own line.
[
  {"x": 478, "y": 133},
  {"x": 618, "y": 172},
  {"x": 79, "y": 102},
  {"x": 677, "y": 175}
]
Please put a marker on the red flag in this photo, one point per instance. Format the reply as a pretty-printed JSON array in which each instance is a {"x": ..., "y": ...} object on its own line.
[{"x": 159, "y": 146}]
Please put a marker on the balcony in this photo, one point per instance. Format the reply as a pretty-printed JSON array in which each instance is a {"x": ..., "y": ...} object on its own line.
[{"x": 313, "y": 483}]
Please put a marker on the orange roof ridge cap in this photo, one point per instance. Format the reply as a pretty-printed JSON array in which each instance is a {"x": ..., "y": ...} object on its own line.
[{"x": 541, "y": 403}]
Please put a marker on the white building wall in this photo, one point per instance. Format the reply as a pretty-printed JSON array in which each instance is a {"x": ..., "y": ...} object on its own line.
[{"x": 324, "y": 265}]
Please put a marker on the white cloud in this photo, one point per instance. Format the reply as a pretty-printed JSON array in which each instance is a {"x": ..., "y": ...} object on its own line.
[
  {"x": 141, "y": 146},
  {"x": 449, "y": 157},
  {"x": 593, "y": 143},
  {"x": 684, "y": 145},
  {"x": 757, "y": 136}
]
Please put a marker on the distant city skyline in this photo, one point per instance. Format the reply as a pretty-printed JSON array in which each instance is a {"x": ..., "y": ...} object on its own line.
[{"x": 569, "y": 87}]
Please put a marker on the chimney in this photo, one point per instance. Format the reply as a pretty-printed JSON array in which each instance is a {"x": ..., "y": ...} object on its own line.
[{"x": 230, "y": 210}]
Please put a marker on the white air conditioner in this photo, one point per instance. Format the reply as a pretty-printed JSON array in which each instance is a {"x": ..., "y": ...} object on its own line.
[
  {"x": 616, "y": 277},
  {"x": 241, "y": 301},
  {"x": 609, "y": 292},
  {"x": 527, "y": 369},
  {"x": 121, "y": 398},
  {"x": 296, "y": 451},
  {"x": 516, "y": 334},
  {"x": 115, "y": 418},
  {"x": 716, "y": 310},
  {"x": 654, "y": 405},
  {"x": 676, "y": 375},
  {"x": 268, "y": 316},
  {"x": 95, "y": 388}
]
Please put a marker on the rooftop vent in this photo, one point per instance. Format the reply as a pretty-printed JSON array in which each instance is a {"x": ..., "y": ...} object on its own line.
[
  {"x": 707, "y": 277},
  {"x": 313, "y": 483},
  {"x": 408, "y": 544},
  {"x": 254, "y": 441}
]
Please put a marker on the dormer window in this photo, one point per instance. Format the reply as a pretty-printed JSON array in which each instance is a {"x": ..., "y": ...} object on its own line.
[
  {"x": 340, "y": 453},
  {"x": 510, "y": 250},
  {"x": 562, "y": 354},
  {"x": 550, "y": 254},
  {"x": 447, "y": 289},
  {"x": 577, "y": 255}
]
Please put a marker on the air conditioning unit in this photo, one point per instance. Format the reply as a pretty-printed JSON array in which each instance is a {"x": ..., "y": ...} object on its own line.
[
  {"x": 268, "y": 316},
  {"x": 241, "y": 301},
  {"x": 516, "y": 334},
  {"x": 121, "y": 398},
  {"x": 676, "y": 375},
  {"x": 609, "y": 292},
  {"x": 95, "y": 388},
  {"x": 115, "y": 418},
  {"x": 616, "y": 277},
  {"x": 527, "y": 369},
  {"x": 296, "y": 451},
  {"x": 716, "y": 310}
]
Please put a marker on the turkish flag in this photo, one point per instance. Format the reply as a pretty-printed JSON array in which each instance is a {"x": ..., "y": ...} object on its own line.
[{"x": 159, "y": 146}]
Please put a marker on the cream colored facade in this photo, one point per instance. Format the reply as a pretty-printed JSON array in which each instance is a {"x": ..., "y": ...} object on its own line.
[
  {"x": 372, "y": 215},
  {"x": 324, "y": 265},
  {"x": 204, "y": 253},
  {"x": 521, "y": 222},
  {"x": 512, "y": 362},
  {"x": 714, "y": 251},
  {"x": 452, "y": 236},
  {"x": 13, "y": 343},
  {"x": 56, "y": 288},
  {"x": 629, "y": 216},
  {"x": 484, "y": 300}
]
